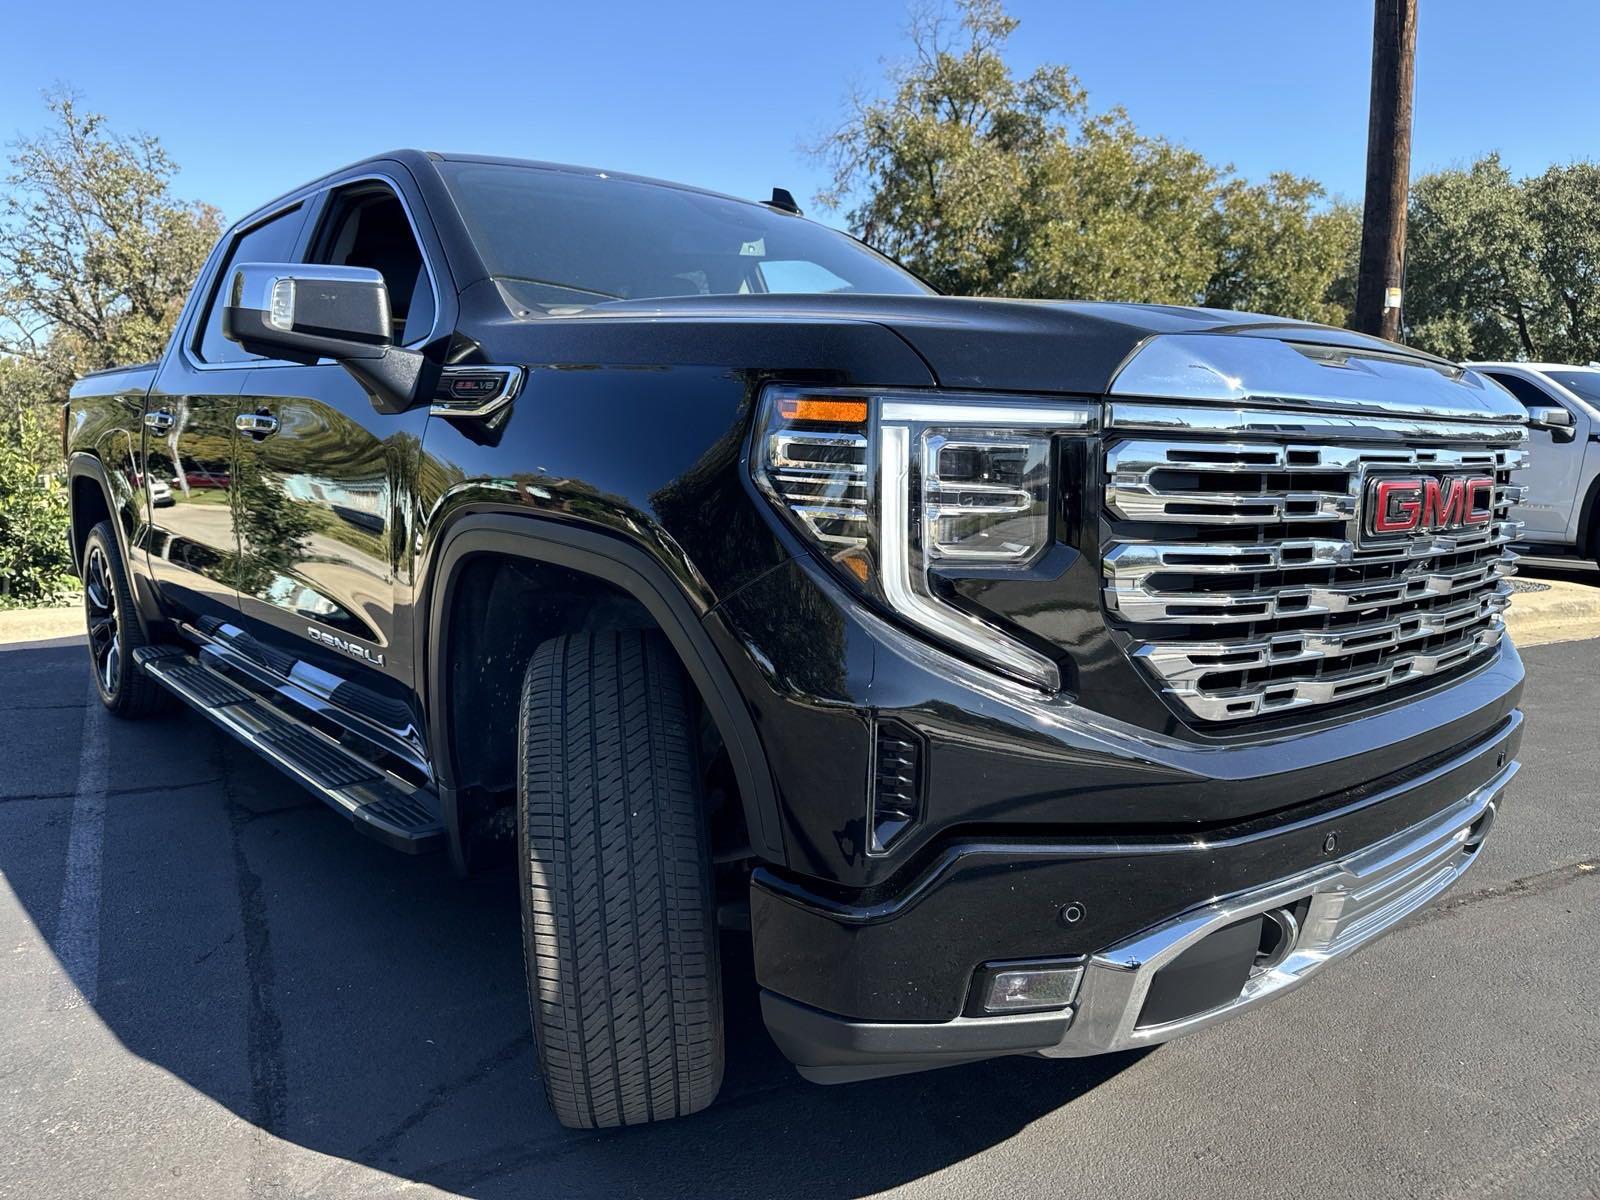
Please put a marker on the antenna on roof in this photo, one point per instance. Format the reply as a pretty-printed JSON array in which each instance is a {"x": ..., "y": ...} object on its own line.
[{"x": 782, "y": 200}]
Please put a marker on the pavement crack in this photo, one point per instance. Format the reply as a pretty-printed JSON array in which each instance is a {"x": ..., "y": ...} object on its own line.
[
  {"x": 1585, "y": 868},
  {"x": 227, "y": 941},
  {"x": 249, "y": 816},
  {"x": 1520, "y": 1162},
  {"x": 437, "y": 1095},
  {"x": 499, "y": 1162},
  {"x": 112, "y": 793},
  {"x": 263, "y": 1028}
]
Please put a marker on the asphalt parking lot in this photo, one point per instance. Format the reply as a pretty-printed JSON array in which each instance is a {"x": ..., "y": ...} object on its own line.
[{"x": 212, "y": 988}]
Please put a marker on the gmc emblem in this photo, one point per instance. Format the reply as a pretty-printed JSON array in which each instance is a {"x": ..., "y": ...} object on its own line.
[{"x": 1429, "y": 504}]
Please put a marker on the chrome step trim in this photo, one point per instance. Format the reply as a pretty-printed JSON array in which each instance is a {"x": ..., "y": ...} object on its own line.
[{"x": 375, "y": 802}]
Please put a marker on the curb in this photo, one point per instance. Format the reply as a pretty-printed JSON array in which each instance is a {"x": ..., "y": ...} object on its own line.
[
  {"x": 40, "y": 624},
  {"x": 1568, "y": 612}
]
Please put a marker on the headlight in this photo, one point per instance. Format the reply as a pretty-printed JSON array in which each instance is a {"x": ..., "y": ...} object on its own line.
[{"x": 904, "y": 489}]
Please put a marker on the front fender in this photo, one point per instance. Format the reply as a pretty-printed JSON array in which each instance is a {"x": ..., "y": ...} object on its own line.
[{"x": 643, "y": 576}]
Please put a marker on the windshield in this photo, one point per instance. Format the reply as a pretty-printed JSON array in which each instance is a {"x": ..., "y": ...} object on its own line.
[
  {"x": 1585, "y": 383},
  {"x": 565, "y": 240}
]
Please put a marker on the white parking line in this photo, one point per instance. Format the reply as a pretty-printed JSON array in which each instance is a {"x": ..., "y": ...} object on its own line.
[{"x": 77, "y": 939}]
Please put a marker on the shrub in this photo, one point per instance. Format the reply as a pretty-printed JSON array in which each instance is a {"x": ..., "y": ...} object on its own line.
[{"x": 35, "y": 562}]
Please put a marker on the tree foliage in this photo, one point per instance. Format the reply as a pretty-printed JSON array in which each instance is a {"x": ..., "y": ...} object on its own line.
[
  {"x": 989, "y": 184},
  {"x": 33, "y": 497},
  {"x": 1280, "y": 249},
  {"x": 96, "y": 256},
  {"x": 1498, "y": 268}
]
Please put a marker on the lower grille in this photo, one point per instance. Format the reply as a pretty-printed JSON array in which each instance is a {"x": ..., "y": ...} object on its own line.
[{"x": 1241, "y": 573}]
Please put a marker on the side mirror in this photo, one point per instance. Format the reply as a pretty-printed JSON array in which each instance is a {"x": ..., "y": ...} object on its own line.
[
  {"x": 1557, "y": 420},
  {"x": 305, "y": 313}
]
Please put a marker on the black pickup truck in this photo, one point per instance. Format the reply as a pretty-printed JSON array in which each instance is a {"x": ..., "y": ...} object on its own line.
[{"x": 1019, "y": 677}]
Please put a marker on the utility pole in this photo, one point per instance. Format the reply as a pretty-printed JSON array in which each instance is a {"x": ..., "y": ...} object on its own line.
[{"x": 1383, "y": 220}]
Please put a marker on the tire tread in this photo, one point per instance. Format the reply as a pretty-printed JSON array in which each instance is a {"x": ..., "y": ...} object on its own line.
[{"x": 619, "y": 924}]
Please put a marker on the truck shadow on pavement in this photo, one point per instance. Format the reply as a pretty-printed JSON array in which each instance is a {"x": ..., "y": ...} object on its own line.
[{"x": 371, "y": 1008}]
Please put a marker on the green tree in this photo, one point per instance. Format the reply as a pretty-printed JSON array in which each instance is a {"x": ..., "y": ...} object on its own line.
[
  {"x": 1504, "y": 268},
  {"x": 989, "y": 184},
  {"x": 96, "y": 255},
  {"x": 1280, "y": 250},
  {"x": 1473, "y": 286},
  {"x": 1564, "y": 207}
]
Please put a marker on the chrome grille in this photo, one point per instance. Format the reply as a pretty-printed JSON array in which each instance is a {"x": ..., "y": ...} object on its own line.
[{"x": 1238, "y": 569}]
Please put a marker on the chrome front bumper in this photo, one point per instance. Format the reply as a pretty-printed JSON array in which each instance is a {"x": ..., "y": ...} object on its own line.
[{"x": 1352, "y": 902}]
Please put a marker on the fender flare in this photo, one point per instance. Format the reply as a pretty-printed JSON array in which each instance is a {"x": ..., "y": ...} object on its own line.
[
  {"x": 82, "y": 464},
  {"x": 630, "y": 568}
]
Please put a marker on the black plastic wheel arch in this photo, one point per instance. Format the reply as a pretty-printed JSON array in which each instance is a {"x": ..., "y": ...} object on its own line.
[{"x": 622, "y": 565}]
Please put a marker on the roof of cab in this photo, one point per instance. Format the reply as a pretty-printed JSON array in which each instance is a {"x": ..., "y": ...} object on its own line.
[{"x": 413, "y": 159}]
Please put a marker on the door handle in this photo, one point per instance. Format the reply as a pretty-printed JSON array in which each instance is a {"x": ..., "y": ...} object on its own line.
[
  {"x": 160, "y": 420},
  {"x": 257, "y": 425}
]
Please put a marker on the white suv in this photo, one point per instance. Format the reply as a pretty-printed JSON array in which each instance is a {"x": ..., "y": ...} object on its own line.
[{"x": 1563, "y": 472}]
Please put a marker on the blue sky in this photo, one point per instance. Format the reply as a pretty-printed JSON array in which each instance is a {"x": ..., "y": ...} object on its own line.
[{"x": 253, "y": 99}]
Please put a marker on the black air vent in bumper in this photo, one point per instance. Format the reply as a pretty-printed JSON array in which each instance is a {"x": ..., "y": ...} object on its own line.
[{"x": 897, "y": 778}]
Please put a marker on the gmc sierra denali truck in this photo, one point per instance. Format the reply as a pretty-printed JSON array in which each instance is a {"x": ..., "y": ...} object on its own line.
[{"x": 1019, "y": 677}]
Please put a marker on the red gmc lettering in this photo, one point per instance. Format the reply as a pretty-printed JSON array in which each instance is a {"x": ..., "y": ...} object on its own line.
[
  {"x": 1479, "y": 513},
  {"x": 1430, "y": 503},
  {"x": 1443, "y": 502},
  {"x": 1398, "y": 505}
]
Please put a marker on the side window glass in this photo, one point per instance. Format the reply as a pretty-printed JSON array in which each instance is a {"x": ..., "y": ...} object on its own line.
[
  {"x": 1531, "y": 394},
  {"x": 271, "y": 241},
  {"x": 367, "y": 226}
]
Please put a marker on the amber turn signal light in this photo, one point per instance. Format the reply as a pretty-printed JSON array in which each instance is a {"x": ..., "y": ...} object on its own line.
[{"x": 823, "y": 408}]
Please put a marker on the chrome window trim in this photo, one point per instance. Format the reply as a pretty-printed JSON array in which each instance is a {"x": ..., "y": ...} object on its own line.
[
  {"x": 193, "y": 331},
  {"x": 194, "y": 328},
  {"x": 1285, "y": 372}
]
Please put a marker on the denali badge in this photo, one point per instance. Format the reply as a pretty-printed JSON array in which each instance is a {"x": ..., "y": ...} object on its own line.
[
  {"x": 1428, "y": 503},
  {"x": 338, "y": 643}
]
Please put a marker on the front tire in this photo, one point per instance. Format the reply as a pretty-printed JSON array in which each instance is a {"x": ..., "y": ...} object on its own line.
[
  {"x": 618, "y": 913},
  {"x": 114, "y": 630}
]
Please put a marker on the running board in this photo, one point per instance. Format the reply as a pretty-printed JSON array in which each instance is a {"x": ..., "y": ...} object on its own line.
[{"x": 401, "y": 819}]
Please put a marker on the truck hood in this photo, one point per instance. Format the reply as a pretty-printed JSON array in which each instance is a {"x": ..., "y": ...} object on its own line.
[{"x": 1149, "y": 350}]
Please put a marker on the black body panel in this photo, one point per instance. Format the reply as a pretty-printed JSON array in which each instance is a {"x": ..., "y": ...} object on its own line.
[{"x": 910, "y": 955}]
